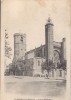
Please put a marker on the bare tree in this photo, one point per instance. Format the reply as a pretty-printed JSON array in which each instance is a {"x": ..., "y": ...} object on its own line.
[{"x": 8, "y": 49}]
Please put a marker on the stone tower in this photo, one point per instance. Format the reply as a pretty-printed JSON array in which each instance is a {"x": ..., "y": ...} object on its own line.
[
  {"x": 49, "y": 40},
  {"x": 19, "y": 46}
]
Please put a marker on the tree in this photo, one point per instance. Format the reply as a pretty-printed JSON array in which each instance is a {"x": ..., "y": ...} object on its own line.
[
  {"x": 21, "y": 67},
  {"x": 8, "y": 49},
  {"x": 59, "y": 65},
  {"x": 62, "y": 65},
  {"x": 48, "y": 66}
]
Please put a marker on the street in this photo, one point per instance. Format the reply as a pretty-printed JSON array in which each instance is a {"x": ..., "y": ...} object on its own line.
[{"x": 34, "y": 86}]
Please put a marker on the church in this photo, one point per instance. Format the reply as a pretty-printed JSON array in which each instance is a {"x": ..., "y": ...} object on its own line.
[{"x": 48, "y": 60}]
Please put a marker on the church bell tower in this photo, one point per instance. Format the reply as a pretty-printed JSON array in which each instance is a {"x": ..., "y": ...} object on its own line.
[
  {"x": 19, "y": 46},
  {"x": 49, "y": 40}
]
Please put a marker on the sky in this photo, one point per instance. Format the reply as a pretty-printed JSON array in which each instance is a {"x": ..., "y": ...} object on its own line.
[{"x": 30, "y": 17}]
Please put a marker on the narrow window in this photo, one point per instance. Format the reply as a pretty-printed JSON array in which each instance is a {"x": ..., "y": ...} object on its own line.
[
  {"x": 38, "y": 63},
  {"x": 60, "y": 73},
  {"x": 21, "y": 38}
]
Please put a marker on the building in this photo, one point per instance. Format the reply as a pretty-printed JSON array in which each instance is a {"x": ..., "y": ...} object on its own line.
[{"x": 51, "y": 51}]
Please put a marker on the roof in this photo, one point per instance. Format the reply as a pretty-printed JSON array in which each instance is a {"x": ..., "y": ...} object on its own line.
[
  {"x": 34, "y": 49},
  {"x": 55, "y": 44}
]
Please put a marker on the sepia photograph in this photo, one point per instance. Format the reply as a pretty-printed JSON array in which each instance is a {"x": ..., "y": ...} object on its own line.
[{"x": 35, "y": 41}]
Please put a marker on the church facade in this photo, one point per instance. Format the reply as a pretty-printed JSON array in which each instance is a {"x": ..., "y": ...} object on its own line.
[{"x": 51, "y": 51}]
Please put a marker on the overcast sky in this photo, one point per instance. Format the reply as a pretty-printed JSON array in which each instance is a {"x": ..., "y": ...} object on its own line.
[{"x": 30, "y": 17}]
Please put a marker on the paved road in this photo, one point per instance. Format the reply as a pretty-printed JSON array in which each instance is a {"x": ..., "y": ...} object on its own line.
[{"x": 35, "y": 86}]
